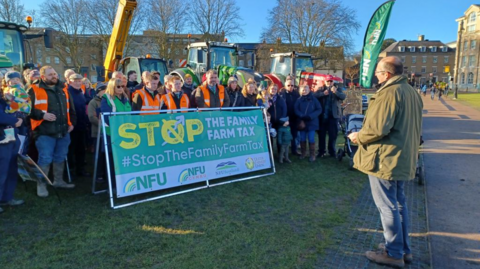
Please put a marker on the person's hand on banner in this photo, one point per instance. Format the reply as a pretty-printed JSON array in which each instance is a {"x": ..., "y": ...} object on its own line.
[
  {"x": 19, "y": 123},
  {"x": 70, "y": 128}
]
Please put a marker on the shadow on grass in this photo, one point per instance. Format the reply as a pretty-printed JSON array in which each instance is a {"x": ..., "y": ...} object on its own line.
[{"x": 280, "y": 221}]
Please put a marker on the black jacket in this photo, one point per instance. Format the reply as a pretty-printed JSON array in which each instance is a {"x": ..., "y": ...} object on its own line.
[{"x": 57, "y": 104}]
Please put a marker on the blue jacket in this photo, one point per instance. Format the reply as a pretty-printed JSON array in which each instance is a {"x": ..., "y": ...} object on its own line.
[
  {"x": 80, "y": 104},
  {"x": 307, "y": 108},
  {"x": 277, "y": 110},
  {"x": 6, "y": 120},
  {"x": 290, "y": 99}
]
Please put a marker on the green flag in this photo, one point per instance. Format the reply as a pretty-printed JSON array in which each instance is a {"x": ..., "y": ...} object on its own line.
[{"x": 374, "y": 36}]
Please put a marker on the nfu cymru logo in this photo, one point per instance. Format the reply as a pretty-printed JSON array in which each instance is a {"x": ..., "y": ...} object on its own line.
[
  {"x": 145, "y": 182},
  {"x": 192, "y": 174}
]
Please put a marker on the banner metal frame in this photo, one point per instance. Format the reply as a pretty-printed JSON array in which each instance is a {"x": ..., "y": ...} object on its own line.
[{"x": 208, "y": 184}]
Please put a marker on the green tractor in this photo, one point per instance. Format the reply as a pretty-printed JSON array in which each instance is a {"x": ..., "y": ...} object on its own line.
[
  {"x": 13, "y": 45},
  {"x": 221, "y": 56}
]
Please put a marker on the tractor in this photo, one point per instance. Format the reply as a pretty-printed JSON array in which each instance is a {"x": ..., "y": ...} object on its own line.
[
  {"x": 299, "y": 66},
  {"x": 221, "y": 56}
]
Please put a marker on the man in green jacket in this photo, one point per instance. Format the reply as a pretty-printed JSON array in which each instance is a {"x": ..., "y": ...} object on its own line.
[{"x": 388, "y": 150}]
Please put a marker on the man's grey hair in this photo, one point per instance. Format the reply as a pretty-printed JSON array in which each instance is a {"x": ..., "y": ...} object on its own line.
[
  {"x": 211, "y": 72},
  {"x": 68, "y": 72},
  {"x": 392, "y": 65}
]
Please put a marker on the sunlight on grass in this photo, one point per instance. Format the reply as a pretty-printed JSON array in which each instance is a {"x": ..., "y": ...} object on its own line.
[
  {"x": 163, "y": 230},
  {"x": 471, "y": 99}
]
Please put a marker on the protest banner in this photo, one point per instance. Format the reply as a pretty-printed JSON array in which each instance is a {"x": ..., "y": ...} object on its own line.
[{"x": 156, "y": 152}]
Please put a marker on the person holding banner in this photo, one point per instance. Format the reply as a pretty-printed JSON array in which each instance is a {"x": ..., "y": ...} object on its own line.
[
  {"x": 387, "y": 153},
  {"x": 211, "y": 94},
  {"x": 9, "y": 145},
  {"x": 53, "y": 117},
  {"x": 147, "y": 98},
  {"x": 114, "y": 100},
  {"x": 175, "y": 99}
]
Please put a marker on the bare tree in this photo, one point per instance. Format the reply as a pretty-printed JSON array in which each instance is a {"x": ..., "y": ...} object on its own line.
[
  {"x": 164, "y": 21},
  {"x": 312, "y": 23},
  {"x": 101, "y": 17},
  {"x": 68, "y": 18},
  {"x": 216, "y": 17},
  {"x": 12, "y": 11}
]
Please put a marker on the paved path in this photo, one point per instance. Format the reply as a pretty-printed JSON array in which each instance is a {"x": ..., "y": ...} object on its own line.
[{"x": 452, "y": 161}]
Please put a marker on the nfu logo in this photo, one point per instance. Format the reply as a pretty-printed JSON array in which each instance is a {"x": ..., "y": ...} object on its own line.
[
  {"x": 192, "y": 174},
  {"x": 145, "y": 182}
]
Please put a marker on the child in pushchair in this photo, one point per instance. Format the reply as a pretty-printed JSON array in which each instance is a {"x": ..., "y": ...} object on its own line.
[{"x": 350, "y": 123}]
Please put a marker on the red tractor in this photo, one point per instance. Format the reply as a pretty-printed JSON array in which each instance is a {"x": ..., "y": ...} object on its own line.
[{"x": 297, "y": 65}]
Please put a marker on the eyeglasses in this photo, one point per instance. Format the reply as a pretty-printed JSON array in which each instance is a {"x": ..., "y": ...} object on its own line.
[{"x": 121, "y": 86}]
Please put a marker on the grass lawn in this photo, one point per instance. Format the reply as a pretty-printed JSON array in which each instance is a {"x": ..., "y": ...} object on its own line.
[
  {"x": 281, "y": 221},
  {"x": 471, "y": 99}
]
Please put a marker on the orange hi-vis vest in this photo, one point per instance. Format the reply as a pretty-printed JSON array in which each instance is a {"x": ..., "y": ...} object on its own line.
[
  {"x": 206, "y": 94},
  {"x": 41, "y": 103},
  {"x": 168, "y": 100},
  {"x": 149, "y": 103}
]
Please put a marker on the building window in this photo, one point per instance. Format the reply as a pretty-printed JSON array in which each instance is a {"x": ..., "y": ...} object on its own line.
[
  {"x": 69, "y": 60},
  {"x": 445, "y": 79},
  {"x": 424, "y": 69},
  {"x": 445, "y": 59},
  {"x": 470, "y": 78},
  {"x": 423, "y": 49},
  {"x": 412, "y": 49},
  {"x": 465, "y": 45},
  {"x": 444, "y": 49},
  {"x": 473, "y": 44},
  {"x": 414, "y": 59},
  {"x": 472, "y": 17},
  {"x": 401, "y": 49},
  {"x": 433, "y": 49},
  {"x": 47, "y": 60},
  {"x": 177, "y": 52},
  {"x": 413, "y": 69},
  {"x": 462, "y": 78},
  {"x": 424, "y": 59},
  {"x": 471, "y": 28},
  {"x": 435, "y": 59},
  {"x": 403, "y": 59},
  {"x": 471, "y": 60},
  {"x": 464, "y": 61},
  {"x": 434, "y": 69},
  {"x": 57, "y": 60}
]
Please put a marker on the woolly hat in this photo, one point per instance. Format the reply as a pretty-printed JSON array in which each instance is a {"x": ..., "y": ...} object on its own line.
[
  {"x": 100, "y": 87},
  {"x": 12, "y": 74}
]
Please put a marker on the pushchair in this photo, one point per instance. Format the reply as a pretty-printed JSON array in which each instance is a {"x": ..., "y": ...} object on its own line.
[{"x": 351, "y": 123}]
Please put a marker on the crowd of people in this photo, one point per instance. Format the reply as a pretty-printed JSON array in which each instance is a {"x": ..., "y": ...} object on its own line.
[
  {"x": 61, "y": 119},
  {"x": 58, "y": 117}
]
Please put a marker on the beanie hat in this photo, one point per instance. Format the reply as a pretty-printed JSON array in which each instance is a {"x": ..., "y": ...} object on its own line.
[
  {"x": 100, "y": 87},
  {"x": 12, "y": 74},
  {"x": 231, "y": 80}
]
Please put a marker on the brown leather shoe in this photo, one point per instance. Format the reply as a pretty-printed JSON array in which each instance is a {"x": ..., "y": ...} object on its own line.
[
  {"x": 407, "y": 258},
  {"x": 381, "y": 257}
]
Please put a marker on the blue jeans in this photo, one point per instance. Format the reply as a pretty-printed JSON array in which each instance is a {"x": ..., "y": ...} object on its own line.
[
  {"x": 52, "y": 149},
  {"x": 8, "y": 170},
  {"x": 309, "y": 134},
  {"x": 389, "y": 197}
]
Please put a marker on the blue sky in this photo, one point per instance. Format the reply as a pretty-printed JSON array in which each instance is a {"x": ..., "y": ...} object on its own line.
[{"x": 433, "y": 18}]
